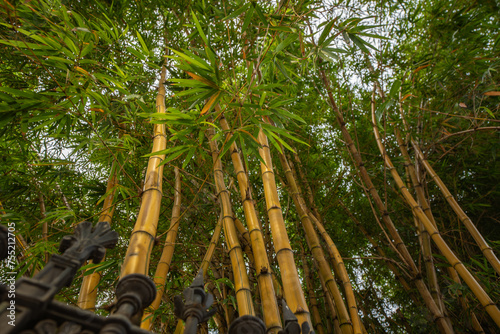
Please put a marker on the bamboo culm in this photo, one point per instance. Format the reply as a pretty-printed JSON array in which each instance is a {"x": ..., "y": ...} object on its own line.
[
  {"x": 478, "y": 291},
  {"x": 400, "y": 245},
  {"x": 469, "y": 225},
  {"x": 163, "y": 266},
  {"x": 346, "y": 322},
  {"x": 144, "y": 232},
  {"x": 241, "y": 282},
  {"x": 264, "y": 277},
  {"x": 88, "y": 291},
  {"x": 292, "y": 286}
]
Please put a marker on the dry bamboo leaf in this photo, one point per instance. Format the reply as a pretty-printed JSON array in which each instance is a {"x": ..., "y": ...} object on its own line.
[
  {"x": 202, "y": 79},
  {"x": 494, "y": 93},
  {"x": 421, "y": 68},
  {"x": 210, "y": 103},
  {"x": 407, "y": 96}
]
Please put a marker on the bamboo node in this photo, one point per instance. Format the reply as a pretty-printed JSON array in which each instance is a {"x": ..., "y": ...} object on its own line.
[{"x": 284, "y": 249}]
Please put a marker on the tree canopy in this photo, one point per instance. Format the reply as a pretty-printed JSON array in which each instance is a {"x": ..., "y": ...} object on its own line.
[{"x": 349, "y": 95}]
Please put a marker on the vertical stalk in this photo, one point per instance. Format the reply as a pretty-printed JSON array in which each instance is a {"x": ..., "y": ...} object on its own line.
[
  {"x": 425, "y": 238},
  {"x": 307, "y": 186},
  {"x": 348, "y": 325},
  {"x": 45, "y": 225},
  {"x": 163, "y": 266},
  {"x": 211, "y": 247},
  {"x": 291, "y": 283},
  {"x": 331, "y": 247},
  {"x": 316, "y": 318},
  {"x": 241, "y": 283},
  {"x": 245, "y": 242},
  {"x": 331, "y": 306},
  {"x": 264, "y": 276},
  {"x": 143, "y": 236},
  {"x": 88, "y": 291}
]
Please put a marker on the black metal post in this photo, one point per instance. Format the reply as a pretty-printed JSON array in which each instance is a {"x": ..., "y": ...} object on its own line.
[{"x": 195, "y": 310}]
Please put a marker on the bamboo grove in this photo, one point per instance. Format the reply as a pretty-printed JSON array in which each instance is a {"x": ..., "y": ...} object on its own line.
[{"x": 337, "y": 155}]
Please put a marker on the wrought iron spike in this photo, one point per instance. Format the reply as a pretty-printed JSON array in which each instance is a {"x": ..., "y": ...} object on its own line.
[
  {"x": 195, "y": 308},
  {"x": 306, "y": 329},
  {"x": 198, "y": 281},
  {"x": 291, "y": 322},
  {"x": 288, "y": 315},
  {"x": 88, "y": 242},
  {"x": 34, "y": 296}
]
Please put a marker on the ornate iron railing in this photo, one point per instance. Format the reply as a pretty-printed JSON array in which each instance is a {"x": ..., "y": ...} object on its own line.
[{"x": 33, "y": 310}]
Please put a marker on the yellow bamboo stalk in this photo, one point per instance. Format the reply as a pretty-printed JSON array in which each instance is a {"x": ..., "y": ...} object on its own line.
[
  {"x": 211, "y": 247},
  {"x": 399, "y": 244},
  {"x": 476, "y": 325},
  {"x": 469, "y": 225},
  {"x": 478, "y": 291},
  {"x": 163, "y": 266},
  {"x": 307, "y": 186},
  {"x": 264, "y": 271},
  {"x": 347, "y": 324},
  {"x": 88, "y": 291},
  {"x": 313, "y": 301},
  {"x": 45, "y": 225},
  {"x": 331, "y": 306},
  {"x": 144, "y": 232},
  {"x": 245, "y": 241},
  {"x": 179, "y": 329},
  {"x": 241, "y": 282},
  {"x": 291, "y": 284},
  {"x": 425, "y": 239},
  {"x": 338, "y": 262}
]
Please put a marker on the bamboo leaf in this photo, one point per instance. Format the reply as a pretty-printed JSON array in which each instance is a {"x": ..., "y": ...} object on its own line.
[
  {"x": 248, "y": 19},
  {"x": 286, "y": 42},
  {"x": 326, "y": 31},
  {"x": 143, "y": 44},
  {"x": 210, "y": 103},
  {"x": 203, "y": 80},
  {"x": 237, "y": 12},
  {"x": 198, "y": 27},
  {"x": 192, "y": 60}
]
